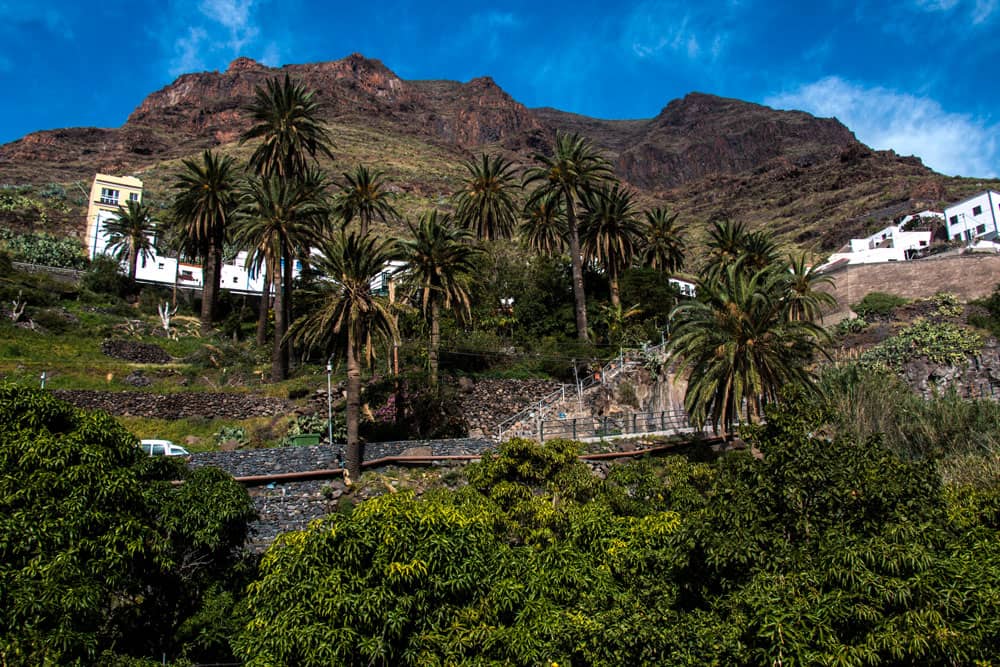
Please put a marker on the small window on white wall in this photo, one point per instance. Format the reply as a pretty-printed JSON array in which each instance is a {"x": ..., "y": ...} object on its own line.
[{"x": 977, "y": 210}]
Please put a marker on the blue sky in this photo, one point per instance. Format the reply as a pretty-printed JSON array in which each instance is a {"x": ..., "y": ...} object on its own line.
[{"x": 919, "y": 77}]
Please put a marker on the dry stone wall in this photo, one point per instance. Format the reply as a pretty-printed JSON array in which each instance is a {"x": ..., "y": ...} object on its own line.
[
  {"x": 968, "y": 276},
  {"x": 177, "y": 406}
]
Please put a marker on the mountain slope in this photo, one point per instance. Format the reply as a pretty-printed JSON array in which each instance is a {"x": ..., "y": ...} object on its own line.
[{"x": 807, "y": 178}]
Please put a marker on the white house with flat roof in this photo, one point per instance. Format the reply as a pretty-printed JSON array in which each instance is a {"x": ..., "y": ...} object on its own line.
[
  {"x": 975, "y": 218},
  {"x": 891, "y": 244},
  {"x": 108, "y": 193}
]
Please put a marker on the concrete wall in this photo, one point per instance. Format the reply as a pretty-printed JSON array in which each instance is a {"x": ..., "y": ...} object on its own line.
[{"x": 969, "y": 276}]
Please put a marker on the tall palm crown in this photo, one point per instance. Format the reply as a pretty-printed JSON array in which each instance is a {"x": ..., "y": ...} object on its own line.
[
  {"x": 664, "y": 247},
  {"x": 804, "y": 299},
  {"x": 204, "y": 206},
  {"x": 128, "y": 235},
  {"x": 286, "y": 117},
  {"x": 543, "y": 225},
  {"x": 610, "y": 232},
  {"x": 729, "y": 242},
  {"x": 363, "y": 195},
  {"x": 350, "y": 316},
  {"x": 738, "y": 346},
  {"x": 280, "y": 220},
  {"x": 440, "y": 267},
  {"x": 485, "y": 204},
  {"x": 573, "y": 168}
]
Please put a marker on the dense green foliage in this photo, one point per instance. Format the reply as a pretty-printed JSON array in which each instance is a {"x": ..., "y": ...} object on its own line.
[
  {"x": 877, "y": 304},
  {"x": 827, "y": 550},
  {"x": 99, "y": 551},
  {"x": 44, "y": 250}
]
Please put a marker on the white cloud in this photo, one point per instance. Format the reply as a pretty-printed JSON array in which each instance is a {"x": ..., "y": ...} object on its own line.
[
  {"x": 951, "y": 143},
  {"x": 668, "y": 28},
  {"x": 978, "y": 11},
  {"x": 983, "y": 10},
  {"x": 188, "y": 52},
  {"x": 485, "y": 31},
  {"x": 235, "y": 16},
  {"x": 210, "y": 33}
]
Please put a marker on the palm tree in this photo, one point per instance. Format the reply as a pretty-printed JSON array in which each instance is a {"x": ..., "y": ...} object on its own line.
[
  {"x": 280, "y": 220},
  {"x": 363, "y": 195},
  {"x": 738, "y": 346},
  {"x": 610, "y": 232},
  {"x": 203, "y": 209},
  {"x": 129, "y": 236},
  {"x": 350, "y": 316},
  {"x": 664, "y": 246},
  {"x": 543, "y": 225},
  {"x": 803, "y": 300},
  {"x": 485, "y": 204},
  {"x": 286, "y": 117},
  {"x": 440, "y": 265},
  {"x": 574, "y": 168}
]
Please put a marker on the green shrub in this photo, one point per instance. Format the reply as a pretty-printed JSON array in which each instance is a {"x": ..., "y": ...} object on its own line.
[
  {"x": 850, "y": 326},
  {"x": 103, "y": 277},
  {"x": 940, "y": 342},
  {"x": 45, "y": 250},
  {"x": 878, "y": 304}
]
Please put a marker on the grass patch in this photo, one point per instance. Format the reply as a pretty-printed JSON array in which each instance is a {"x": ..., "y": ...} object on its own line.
[{"x": 178, "y": 430}]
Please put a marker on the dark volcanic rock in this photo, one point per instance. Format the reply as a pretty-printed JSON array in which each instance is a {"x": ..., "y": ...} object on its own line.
[
  {"x": 176, "y": 406},
  {"x": 135, "y": 351},
  {"x": 704, "y": 134}
]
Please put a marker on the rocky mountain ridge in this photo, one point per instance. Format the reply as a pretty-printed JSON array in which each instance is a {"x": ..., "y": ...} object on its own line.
[{"x": 704, "y": 155}]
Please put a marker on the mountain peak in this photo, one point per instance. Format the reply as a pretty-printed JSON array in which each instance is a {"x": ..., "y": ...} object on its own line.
[{"x": 244, "y": 64}]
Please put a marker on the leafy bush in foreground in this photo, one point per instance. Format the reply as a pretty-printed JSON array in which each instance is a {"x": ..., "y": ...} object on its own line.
[{"x": 829, "y": 550}]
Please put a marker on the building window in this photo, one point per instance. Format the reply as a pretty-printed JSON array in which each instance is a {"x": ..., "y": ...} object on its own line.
[
  {"x": 133, "y": 196},
  {"x": 977, "y": 210},
  {"x": 159, "y": 265},
  {"x": 236, "y": 279},
  {"x": 109, "y": 196},
  {"x": 953, "y": 219},
  {"x": 980, "y": 229},
  {"x": 957, "y": 237},
  {"x": 923, "y": 243}
]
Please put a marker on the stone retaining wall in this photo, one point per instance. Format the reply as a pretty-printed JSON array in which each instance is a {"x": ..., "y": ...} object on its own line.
[
  {"x": 278, "y": 460},
  {"x": 968, "y": 276},
  {"x": 177, "y": 406}
]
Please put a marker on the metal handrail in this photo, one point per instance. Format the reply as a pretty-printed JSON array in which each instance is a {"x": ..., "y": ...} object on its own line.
[
  {"x": 610, "y": 370},
  {"x": 632, "y": 423}
]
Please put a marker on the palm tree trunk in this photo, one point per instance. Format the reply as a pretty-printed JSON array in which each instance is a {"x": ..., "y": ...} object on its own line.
[
  {"x": 279, "y": 371},
  {"x": 264, "y": 306},
  {"x": 209, "y": 287},
  {"x": 353, "y": 407},
  {"x": 616, "y": 300},
  {"x": 133, "y": 261},
  {"x": 286, "y": 302},
  {"x": 579, "y": 296},
  {"x": 432, "y": 352}
]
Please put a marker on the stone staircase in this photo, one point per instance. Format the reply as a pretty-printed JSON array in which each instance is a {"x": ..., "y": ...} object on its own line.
[{"x": 582, "y": 401}]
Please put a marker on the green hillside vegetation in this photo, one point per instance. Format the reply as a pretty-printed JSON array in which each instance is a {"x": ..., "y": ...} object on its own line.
[
  {"x": 830, "y": 545},
  {"x": 849, "y": 521}
]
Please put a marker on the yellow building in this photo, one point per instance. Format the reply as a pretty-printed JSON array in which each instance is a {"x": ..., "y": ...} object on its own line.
[{"x": 106, "y": 195}]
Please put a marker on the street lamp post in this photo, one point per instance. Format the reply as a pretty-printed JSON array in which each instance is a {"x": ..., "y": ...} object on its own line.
[{"x": 329, "y": 402}]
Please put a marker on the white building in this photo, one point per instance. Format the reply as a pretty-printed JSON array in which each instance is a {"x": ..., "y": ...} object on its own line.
[
  {"x": 975, "y": 218},
  {"x": 891, "y": 244},
  {"x": 110, "y": 192}
]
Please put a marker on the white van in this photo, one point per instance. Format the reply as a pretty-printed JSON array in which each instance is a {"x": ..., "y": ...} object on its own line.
[{"x": 162, "y": 448}]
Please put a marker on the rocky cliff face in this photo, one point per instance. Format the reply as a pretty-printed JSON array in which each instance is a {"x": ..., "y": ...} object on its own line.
[
  {"x": 702, "y": 134},
  {"x": 806, "y": 178},
  {"x": 207, "y": 109}
]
